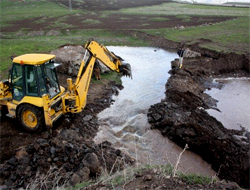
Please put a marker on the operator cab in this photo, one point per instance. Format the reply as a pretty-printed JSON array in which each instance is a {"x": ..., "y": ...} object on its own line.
[{"x": 34, "y": 75}]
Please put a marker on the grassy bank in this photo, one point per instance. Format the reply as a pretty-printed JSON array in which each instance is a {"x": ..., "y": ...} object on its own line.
[
  {"x": 232, "y": 35},
  {"x": 229, "y": 36}
]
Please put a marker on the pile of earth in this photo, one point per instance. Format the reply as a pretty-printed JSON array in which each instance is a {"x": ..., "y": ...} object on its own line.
[
  {"x": 181, "y": 116},
  {"x": 66, "y": 159}
]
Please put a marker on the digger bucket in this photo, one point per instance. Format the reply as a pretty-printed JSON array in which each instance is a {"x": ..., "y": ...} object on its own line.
[{"x": 126, "y": 70}]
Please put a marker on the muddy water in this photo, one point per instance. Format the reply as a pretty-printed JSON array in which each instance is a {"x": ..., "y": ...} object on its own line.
[
  {"x": 233, "y": 103},
  {"x": 125, "y": 123}
]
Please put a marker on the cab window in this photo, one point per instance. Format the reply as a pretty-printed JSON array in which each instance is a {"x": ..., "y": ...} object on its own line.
[
  {"x": 17, "y": 82},
  {"x": 31, "y": 82},
  {"x": 41, "y": 83}
]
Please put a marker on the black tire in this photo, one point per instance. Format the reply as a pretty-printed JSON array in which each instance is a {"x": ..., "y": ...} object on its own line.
[{"x": 31, "y": 118}]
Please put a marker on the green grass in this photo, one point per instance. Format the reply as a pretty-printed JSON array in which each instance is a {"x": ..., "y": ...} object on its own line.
[
  {"x": 195, "y": 179},
  {"x": 91, "y": 21},
  {"x": 80, "y": 186},
  {"x": 112, "y": 76},
  {"x": 187, "y": 9},
  {"x": 157, "y": 19},
  {"x": 120, "y": 178},
  {"x": 232, "y": 33},
  {"x": 17, "y": 10}
]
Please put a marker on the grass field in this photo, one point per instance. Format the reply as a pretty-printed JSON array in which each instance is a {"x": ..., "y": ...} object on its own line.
[
  {"x": 187, "y": 9},
  {"x": 228, "y": 36},
  {"x": 16, "y": 10}
]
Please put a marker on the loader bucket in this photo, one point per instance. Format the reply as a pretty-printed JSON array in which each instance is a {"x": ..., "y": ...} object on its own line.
[{"x": 126, "y": 70}]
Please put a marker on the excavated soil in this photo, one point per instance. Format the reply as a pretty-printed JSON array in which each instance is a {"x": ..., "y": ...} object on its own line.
[{"x": 70, "y": 155}]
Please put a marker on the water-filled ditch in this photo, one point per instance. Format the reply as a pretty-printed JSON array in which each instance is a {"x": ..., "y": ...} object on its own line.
[
  {"x": 125, "y": 124},
  {"x": 233, "y": 102}
]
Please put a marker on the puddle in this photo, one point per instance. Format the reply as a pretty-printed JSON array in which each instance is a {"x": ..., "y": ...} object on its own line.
[
  {"x": 125, "y": 124},
  {"x": 233, "y": 102}
]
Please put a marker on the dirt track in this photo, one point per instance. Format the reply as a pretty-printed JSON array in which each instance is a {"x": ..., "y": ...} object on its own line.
[{"x": 13, "y": 137}]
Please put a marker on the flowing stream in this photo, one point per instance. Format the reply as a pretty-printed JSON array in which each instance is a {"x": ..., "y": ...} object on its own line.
[
  {"x": 233, "y": 103},
  {"x": 125, "y": 123}
]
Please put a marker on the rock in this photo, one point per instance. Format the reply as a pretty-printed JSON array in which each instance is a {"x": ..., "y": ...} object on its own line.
[
  {"x": 12, "y": 161},
  {"x": 118, "y": 152},
  {"x": 52, "y": 150},
  {"x": 45, "y": 135},
  {"x": 75, "y": 179},
  {"x": 191, "y": 54},
  {"x": 87, "y": 118},
  {"x": 84, "y": 173},
  {"x": 91, "y": 161},
  {"x": 130, "y": 137},
  {"x": 69, "y": 134},
  {"x": 156, "y": 116},
  {"x": 147, "y": 178},
  {"x": 70, "y": 57},
  {"x": 21, "y": 154},
  {"x": 129, "y": 128},
  {"x": 42, "y": 142}
]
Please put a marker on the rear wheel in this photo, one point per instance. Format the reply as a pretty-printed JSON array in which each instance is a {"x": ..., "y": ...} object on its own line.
[{"x": 31, "y": 117}]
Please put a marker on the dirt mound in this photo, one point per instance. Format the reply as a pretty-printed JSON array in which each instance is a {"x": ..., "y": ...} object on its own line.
[
  {"x": 66, "y": 158},
  {"x": 181, "y": 116}
]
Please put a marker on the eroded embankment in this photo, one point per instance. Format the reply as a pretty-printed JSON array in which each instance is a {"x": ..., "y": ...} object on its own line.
[{"x": 181, "y": 116}]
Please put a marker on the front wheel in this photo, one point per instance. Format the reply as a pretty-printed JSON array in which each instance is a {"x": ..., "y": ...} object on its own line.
[{"x": 32, "y": 118}]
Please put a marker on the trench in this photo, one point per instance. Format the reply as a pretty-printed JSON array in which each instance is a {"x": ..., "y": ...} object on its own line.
[
  {"x": 125, "y": 122},
  {"x": 233, "y": 102}
]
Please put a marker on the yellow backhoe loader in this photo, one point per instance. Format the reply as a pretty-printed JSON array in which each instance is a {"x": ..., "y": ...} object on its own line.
[{"x": 32, "y": 93}]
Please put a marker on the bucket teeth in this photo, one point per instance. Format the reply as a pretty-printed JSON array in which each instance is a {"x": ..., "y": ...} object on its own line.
[{"x": 126, "y": 70}]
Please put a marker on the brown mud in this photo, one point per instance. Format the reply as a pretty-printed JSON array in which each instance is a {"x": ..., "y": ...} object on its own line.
[{"x": 68, "y": 154}]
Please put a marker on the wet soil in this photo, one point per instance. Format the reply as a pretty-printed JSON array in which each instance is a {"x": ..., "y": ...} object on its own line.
[{"x": 180, "y": 116}]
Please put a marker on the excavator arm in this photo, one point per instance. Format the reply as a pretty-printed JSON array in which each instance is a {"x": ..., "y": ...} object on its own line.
[{"x": 75, "y": 99}]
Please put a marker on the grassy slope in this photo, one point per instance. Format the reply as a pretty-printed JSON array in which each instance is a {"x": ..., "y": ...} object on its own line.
[
  {"x": 187, "y": 9},
  {"x": 232, "y": 35}
]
